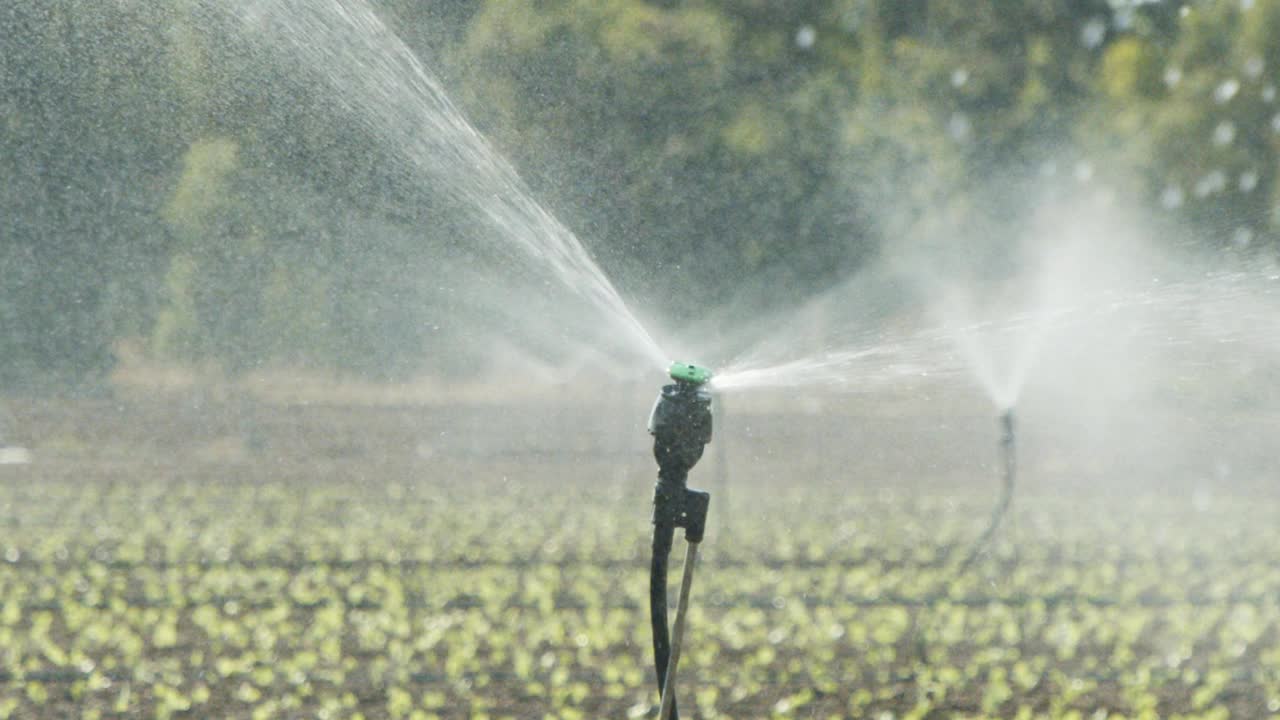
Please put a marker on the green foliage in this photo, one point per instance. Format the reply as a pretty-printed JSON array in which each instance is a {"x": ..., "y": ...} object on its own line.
[
  {"x": 80, "y": 228},
  {"x": 173, "y": 181},
  {"x": 1130, "y": 69},
  {"x": 244, "y": 595},
  {"x": 201, "y": 190},
  {"x": 1202, "y": 138}
]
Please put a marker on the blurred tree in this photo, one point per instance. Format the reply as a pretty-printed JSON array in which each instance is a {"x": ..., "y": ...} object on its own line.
[
  {"x": 698, "y": 138},
  {"x": 81, "y": 151},
  {"x": 217, "y": 276},
  {"x": 1192, "y": 117},
  {"x": 171, "y": 176}
]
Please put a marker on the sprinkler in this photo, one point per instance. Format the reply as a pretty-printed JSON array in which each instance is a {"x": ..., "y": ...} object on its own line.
[
  {"x": 680, "y": 424},
  {"x": 1009, "y": 456},
  {"x": 1008, "y": 448}
]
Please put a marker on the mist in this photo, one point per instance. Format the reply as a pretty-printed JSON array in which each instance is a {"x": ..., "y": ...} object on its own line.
[{"x": 333, "y": 329}]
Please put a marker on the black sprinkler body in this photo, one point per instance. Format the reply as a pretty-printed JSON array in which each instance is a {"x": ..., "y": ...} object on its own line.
[{"x": 680, "y": 424}]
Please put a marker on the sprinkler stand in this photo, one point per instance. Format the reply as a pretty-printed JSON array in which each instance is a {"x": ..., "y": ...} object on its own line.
[
  {"x": 1009, "y": 457},
  {"x": 677, "y": 634},
  {"x": 681, "y": 427}
]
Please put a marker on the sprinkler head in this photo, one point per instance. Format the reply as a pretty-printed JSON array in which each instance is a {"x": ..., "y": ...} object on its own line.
[
  {"x": 680, "y": 422},
  {"x": 689, "y": 373}
]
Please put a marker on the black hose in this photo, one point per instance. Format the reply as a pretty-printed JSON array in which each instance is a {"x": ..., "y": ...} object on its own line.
[
  {"x": 663, "y": 536},
  {"x": 668, "y": 510},
  {"x": 1001, "y": 509}
]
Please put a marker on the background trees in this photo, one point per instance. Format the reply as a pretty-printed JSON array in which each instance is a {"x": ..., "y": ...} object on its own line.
[{"x": 160, "y": 184}]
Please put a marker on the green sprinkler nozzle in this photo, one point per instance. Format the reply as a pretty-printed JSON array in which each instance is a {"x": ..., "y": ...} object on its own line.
[{"x": 689, "y": 373}]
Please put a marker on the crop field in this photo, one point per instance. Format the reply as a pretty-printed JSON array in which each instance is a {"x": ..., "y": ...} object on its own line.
[{"x": 209, "y": 558}]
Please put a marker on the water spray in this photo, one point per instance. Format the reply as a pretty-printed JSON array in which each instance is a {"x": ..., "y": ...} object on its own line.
[
  {"x": 680, "y": 424},
  {"x": 1009, "y": 456}
]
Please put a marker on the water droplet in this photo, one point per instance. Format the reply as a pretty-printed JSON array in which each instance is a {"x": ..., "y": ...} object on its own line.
[
  {"x": 1172, "y": 197},
  {"x": 1122, "y": 20},
  {"x": 1224, "y": 133},
  {"x": 959, "y": 127},
  {"x": 1248, "y": 181},
  {"x": 1184, "y": 11},
  {"x": 1093, "y": 32},
  {"x": 1268, "y": 93},
  {"x": 1210, "y": 183},
  {"x": 805, "y": 37},
  {"x": 1226, "y": 90},
  {"x": 1242, "y": 237},
  {"x": 852, "y": 17},
  {"x": 1172, "y": 76},
  {"x": 1246, "y": 5},
  {"x": 959, "y": 77},
  {"x": 1275, "y": 123},
  {"x": 1253, "y": 67},
  {"x": 1083, "y": 171}
]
